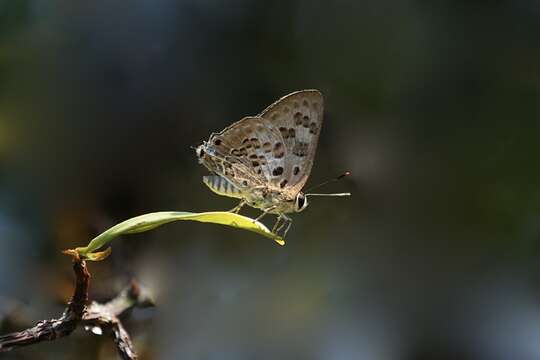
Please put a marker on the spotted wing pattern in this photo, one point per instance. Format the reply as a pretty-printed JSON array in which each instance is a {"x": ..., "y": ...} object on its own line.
[
  {"x": 220, "y": 156},
  {"x": 275, "y": 149},
  {"x": 255, "y": 146},
  {"x": 298, "y": 118}
]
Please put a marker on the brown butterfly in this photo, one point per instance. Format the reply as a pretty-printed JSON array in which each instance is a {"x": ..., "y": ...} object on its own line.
[{"x": 265, "y": 160}]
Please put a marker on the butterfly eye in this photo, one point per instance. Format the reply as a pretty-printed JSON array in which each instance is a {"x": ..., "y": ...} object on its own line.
[
  {"x": 200, "y": 152},
  {"x": 301, "y": 202}
]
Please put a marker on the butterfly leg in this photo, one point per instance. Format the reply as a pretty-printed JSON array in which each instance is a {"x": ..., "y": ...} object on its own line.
[
  {"x": 265, "y": 212},
  {"x": 289, "y": 223},
  {"x": 276, "y": 225},
  {"x": 238, "y": 207},
  {"x": 286, "y": 223}
]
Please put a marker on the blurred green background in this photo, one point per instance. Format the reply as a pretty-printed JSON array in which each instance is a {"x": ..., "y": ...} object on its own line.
[{"x": 432, "y": 105}]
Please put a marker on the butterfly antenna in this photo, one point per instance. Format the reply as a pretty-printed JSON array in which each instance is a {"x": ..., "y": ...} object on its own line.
[
  {"x": 347, "y": 173},
  {"x": 333, "y": 195}
]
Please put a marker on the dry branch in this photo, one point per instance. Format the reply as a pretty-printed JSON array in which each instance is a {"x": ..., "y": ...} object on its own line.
[{"x": 94, "y": 316}]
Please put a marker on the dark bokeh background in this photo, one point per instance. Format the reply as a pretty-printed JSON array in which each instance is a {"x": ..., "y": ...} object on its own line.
[{"x": 433, "y": 106}]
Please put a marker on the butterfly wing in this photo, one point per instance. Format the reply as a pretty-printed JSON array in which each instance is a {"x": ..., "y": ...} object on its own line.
[
  {"x": 254, "y": 150},
  {"x": 298, "y": 118},
  {"x": 275, "y": 149}
]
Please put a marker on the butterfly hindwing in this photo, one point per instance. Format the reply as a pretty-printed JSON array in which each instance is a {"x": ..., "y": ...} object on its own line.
[{"x": 298, "y": 118}]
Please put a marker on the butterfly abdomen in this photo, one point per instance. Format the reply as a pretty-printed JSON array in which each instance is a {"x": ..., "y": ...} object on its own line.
[{"x": 221, "y": 186}]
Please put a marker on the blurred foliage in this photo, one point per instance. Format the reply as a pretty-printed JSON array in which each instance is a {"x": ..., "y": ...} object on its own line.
[{"x": 14, "y": 15}]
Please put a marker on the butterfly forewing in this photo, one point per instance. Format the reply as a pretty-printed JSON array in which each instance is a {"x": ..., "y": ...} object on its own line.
[
  {"x": 227, "y": 159},
  {"x": 257, "y": 144},
  {"x": 298, "y": 118}
]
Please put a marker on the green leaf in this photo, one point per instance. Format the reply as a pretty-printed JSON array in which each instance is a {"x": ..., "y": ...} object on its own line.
[{"x": 151, "y": 221}]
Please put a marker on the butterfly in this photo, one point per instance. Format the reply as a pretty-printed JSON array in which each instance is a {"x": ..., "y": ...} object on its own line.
[{"x": 265, "y": 160}]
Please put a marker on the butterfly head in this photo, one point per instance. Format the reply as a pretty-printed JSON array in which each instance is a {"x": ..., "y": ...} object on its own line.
[
  {"x": 203, "y": 152},
  {"x": 300, "y": 203},
  {"x": 199, "y": 150}
]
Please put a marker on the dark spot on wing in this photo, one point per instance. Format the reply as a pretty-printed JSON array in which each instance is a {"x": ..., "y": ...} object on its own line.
[
  {"x": 239, "y": 152},
  {"x": 300, "y": 149},
  {"x": 256, "y": 143},
  {"x": 262, "y": 160},
  {"x": 298, "y": 118},
  {"x": 292, "y": 133},
  {"x": 279, "y": 150},
  {"x": 277, "y": 171},
  {"x": 284, "y": 132},
  {"x": 313, "y": 128}
]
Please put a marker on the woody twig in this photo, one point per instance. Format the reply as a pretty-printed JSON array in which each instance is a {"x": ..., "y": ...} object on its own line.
[{"x": 93, "y": 316}]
